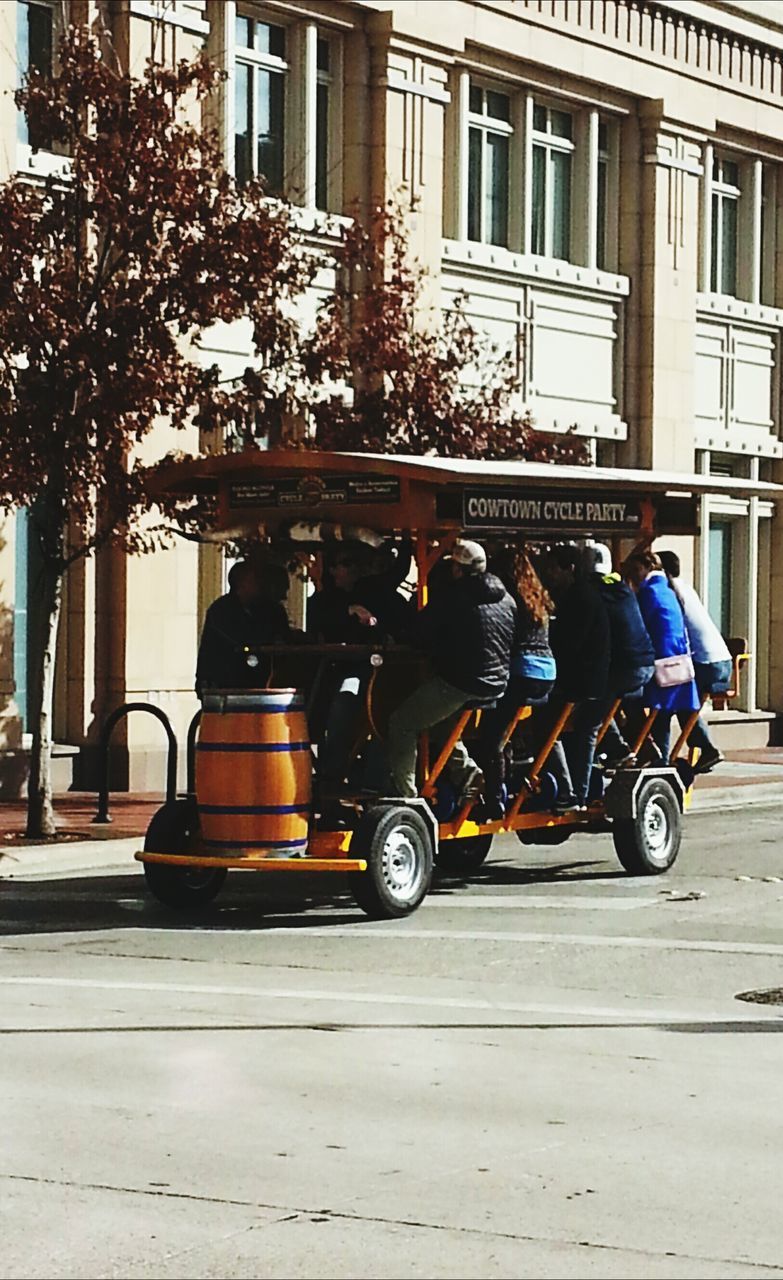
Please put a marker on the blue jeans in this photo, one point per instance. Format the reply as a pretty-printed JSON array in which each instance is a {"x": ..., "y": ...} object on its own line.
[
  {"x": 572, "y": 765},
  {"x": 628, "y": 683}
]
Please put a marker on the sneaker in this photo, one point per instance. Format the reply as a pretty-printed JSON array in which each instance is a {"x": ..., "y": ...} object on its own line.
[
  {"x": 564, "y": 806},
  {"x": 627, "y": 761},
  {"x": 708, "y": 760}
]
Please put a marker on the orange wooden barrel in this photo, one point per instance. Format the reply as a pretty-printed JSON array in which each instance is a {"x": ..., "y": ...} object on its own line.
[{"x": 254, "y": 772}]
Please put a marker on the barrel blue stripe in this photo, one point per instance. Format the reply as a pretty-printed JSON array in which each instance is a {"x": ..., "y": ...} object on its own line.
[
  {"x": 253, "y": 746},
  {"x": 255, "y": 711},
  {"x": 256, "y": 844},
  {"x": 254, "y": 808}
]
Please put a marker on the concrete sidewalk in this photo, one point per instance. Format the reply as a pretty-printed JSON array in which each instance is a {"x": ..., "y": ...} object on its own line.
[
  {"x": 747, "y": 777},
  {"x": 81, "y": 845}
]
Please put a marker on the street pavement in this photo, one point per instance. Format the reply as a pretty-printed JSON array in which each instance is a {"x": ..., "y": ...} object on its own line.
[{"x": 543, "y": 1072}]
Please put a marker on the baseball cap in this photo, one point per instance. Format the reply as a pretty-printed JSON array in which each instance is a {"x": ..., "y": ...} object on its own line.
[
  {"x": 597, "y": 558},
  {"x": 471, "y": 555}
]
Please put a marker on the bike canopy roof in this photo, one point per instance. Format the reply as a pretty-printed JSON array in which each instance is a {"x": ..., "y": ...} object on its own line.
[{"x": 258, "y": 491}]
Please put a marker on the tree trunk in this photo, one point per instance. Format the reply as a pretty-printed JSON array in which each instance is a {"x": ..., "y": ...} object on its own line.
[{"x": 40, "y": 810}]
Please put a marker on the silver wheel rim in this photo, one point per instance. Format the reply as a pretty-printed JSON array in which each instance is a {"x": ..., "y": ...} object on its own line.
[
  {"x": 657, "y": 830},
  {"x": 402, "y": 865}
]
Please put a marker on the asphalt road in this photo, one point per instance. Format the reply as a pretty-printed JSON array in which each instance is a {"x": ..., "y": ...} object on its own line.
[{"x": 545, "y": 1072}]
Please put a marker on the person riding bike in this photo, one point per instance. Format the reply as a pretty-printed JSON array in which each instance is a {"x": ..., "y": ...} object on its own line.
[{"x": 467, "y": 632}]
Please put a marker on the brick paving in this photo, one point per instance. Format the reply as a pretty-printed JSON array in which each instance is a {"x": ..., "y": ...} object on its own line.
[{"x": 130, "y": 816}]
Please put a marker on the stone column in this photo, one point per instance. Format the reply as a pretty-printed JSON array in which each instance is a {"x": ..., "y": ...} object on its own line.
[
  {"x": 409, "y": 96},
  {"x": 668, "y": 285}
]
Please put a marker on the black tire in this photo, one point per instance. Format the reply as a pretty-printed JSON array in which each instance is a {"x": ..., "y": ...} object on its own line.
[
  {"x": 544, "y": 835},
  {"x": 397, "y": 844},
  {"x": 648, "y": 844},
  {"x": 463, "y": 856},
  {"x": 174, "y": 829}
]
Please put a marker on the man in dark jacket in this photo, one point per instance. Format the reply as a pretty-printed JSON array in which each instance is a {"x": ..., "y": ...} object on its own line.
[
  {"x": 579, "y": 636},
  {"x": 250, "y": 614},
  {"x": 355, "y": 607},
  {"x": 632, "y": 658},
  {"x": 467, "y": 632}
]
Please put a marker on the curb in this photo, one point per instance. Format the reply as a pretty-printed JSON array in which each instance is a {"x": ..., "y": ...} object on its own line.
[
  {"x": 731, "y": 798},
  {"x": 78, "y": 855}
]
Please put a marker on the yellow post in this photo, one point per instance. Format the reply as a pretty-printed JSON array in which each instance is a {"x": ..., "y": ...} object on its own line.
[
  {"x": 422, "y": 568},
  {"x": 452, "y": 740},
  {"x": 644, "y": 732},
  {"x": 687, "y": 730},
  {"x": 521, "y": 713},
  {"x": 608, "y": 718},
  {"x": 541, "y": 759}
]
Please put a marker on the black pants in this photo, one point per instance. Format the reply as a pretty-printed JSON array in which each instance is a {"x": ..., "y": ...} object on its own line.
[{"x": 522, "y": 691}]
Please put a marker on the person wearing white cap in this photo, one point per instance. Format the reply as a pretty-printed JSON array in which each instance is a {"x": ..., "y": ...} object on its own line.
[
  {"x": 467, "y": 632},
  {"x": 632, "y": 657}
]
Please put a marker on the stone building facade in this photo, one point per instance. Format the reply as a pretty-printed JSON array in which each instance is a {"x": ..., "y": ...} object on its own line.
[{"x": 603, "y": 181}]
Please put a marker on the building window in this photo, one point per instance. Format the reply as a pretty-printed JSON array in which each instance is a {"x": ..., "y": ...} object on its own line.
[
  {"x": 769, "y": 239},
  {"x": 323, "y": 121},
  {"x": 259, "y": 103},
  {"x": 284, "y": 116},
  {"x": 489, "y": 141},
  {"x": 35, "y": 52},
  {"x": 531, "y": 176},
  {"x": 719, "y": 586},
  {"x": 726, "y": 195},
  {"x": 552, "y": 153},
  {"x": 602, "y": 192}
]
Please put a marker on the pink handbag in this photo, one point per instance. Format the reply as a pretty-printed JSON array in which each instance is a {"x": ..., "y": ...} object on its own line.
[{"x": 673, "y": 671}]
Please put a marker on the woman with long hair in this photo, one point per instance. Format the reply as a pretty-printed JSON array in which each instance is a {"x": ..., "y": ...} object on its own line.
[{"x": 532, "y": 672}]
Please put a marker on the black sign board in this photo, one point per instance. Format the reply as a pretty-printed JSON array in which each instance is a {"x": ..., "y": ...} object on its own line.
[
  {"x": 559, "y": 510},
  {"x": 301, "y": 492}
]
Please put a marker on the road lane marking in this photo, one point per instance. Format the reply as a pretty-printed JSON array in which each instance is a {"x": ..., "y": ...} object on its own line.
[
  {"x": 389, "y": 999},
  {"x": 366, "y": 930},
  {"x": 551, "y": 939},
  {"x": 526, "y": 902}
]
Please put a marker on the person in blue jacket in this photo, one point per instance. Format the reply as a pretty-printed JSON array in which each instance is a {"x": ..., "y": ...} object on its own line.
[{"x": 665, "y": 623}]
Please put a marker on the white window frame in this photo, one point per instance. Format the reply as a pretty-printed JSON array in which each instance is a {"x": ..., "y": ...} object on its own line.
[
  {"x": 550, "y": 143},
  {"x": 584, "y": 177},
  {"x": 42, "y": 162},
  {"x": 610, "y": 157},
  {"x": 753, "y": 174},
  {"x": 769, "y": 218},
  {"x": 485, "y": 125},
  {"x": 302, "y": 118},
  {"x": 723, "y": 192},
  {"x": 324, "y": 79},
  {"x": 300, "y": 103},
  {"x": 269, "y": 62}
]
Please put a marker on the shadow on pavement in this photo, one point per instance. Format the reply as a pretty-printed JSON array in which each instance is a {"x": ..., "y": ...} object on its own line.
[
  {"x": 78, "y": 904},
  {"x": 494, "y": 874}
]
